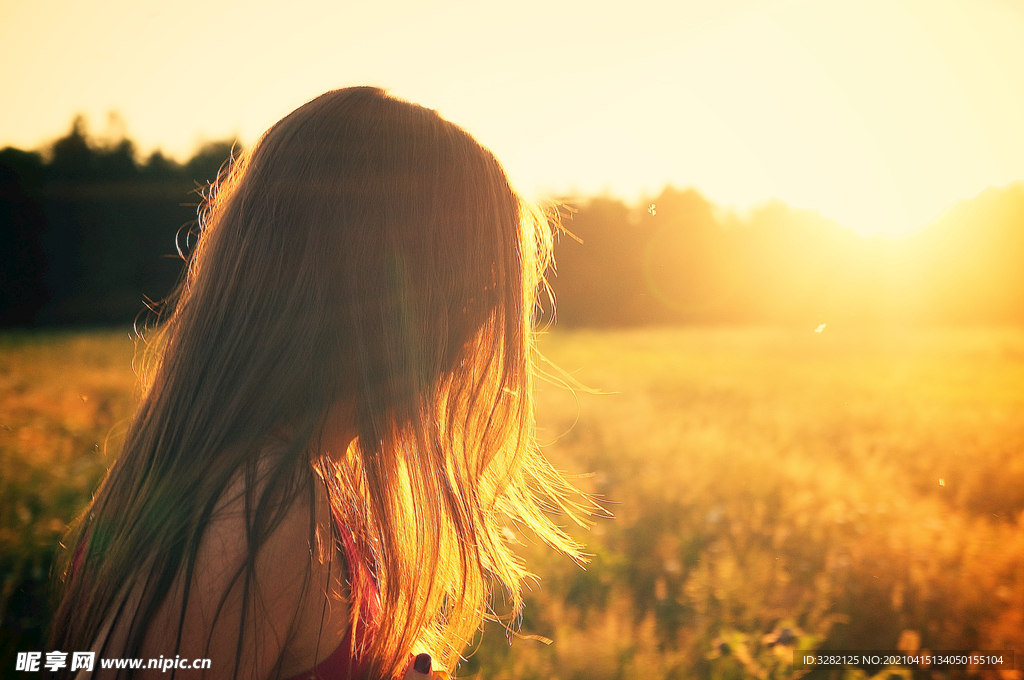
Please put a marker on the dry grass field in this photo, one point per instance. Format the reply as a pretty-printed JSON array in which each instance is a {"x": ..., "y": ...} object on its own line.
[
  {"x": 836, "y": 489},
  {"x": 62, "y": 398}
]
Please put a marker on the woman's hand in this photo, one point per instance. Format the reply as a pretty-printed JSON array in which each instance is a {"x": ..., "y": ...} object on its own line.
[{"x": 419, "y": 668}]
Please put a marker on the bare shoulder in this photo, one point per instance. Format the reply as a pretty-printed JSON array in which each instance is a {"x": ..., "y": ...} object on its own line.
[{"x": 286, "y": 604}]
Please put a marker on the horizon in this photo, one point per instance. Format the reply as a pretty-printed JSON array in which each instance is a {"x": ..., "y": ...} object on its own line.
[
  {"x": 880, "y": 115},
  {"x": 723, "y": 211}
]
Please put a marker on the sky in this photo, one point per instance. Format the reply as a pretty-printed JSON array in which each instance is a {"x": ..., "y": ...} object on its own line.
[{"x": 880, "y": 114}]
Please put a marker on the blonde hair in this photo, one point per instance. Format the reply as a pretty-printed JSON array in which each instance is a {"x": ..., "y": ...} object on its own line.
[{"x": 365, "y": 249}]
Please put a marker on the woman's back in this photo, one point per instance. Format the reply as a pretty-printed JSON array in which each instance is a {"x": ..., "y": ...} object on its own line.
[{"x": 296, "y": 615}]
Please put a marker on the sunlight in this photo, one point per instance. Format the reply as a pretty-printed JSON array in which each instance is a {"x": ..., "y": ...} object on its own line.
[{"x": 878, "y": 114}]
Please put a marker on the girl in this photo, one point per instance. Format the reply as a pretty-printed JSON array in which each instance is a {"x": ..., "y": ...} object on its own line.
[{"x": 339, "y": 425}]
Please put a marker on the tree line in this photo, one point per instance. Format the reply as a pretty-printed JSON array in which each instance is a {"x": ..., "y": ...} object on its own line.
[
  {"x": 678, "y": 258},
  {"x": 92, "y": 235}
]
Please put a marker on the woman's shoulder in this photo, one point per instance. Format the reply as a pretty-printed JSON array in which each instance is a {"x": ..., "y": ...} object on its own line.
[{"x": 282, "y": 594}]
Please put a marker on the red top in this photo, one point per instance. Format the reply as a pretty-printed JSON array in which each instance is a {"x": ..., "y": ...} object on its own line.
[{"x": 344, "y": 662}]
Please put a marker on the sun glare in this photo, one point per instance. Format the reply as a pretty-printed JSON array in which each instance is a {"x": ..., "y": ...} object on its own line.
[{"x": 879, "y": 114}]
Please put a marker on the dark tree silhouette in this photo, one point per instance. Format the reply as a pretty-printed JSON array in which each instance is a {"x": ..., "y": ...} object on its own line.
[
  {"x": 92, "y": 232},
  {"x": 91, "y": 235},
  {"x": 22, "y": 222}
]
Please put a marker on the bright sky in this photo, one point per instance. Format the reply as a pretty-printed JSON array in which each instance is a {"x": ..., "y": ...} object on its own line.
[{"x": 878, "y": 113}]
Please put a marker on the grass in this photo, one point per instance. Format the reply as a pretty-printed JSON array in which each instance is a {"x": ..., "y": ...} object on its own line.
[
  {"x": 61, "y": 398},
  {"x": 761, "y": 479}
]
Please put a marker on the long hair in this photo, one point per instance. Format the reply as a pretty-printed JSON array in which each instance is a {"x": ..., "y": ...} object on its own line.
[{"x": 365, "y": 250}]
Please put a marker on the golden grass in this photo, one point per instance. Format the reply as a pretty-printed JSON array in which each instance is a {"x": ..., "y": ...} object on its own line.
[
  {"x": 766, "y": 479},
  {"x": 62, "y": 397},
  {"x": 762, "y": 479}
]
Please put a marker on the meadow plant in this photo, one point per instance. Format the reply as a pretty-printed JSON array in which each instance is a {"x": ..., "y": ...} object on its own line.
[{"x": 773, "y": 489}]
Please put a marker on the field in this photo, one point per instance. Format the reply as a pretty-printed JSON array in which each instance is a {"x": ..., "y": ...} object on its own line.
[{"x": 848, "y": 489}]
